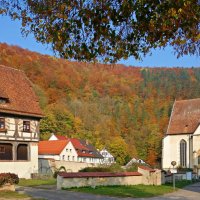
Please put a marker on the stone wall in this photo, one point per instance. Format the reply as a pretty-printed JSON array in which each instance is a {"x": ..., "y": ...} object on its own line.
[
  {"x": 143, "y": 176},
  {"x": 48, "y": 166}
]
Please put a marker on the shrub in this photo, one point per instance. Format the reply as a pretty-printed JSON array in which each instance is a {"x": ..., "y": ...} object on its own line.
[
  {"x": 61, "y": 169},
  {"x": 8, "y": 178},
  {"x": 111, "y": 168}
]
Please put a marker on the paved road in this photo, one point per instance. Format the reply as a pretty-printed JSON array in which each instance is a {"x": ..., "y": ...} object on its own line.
[{"x": 191, "y": 192}]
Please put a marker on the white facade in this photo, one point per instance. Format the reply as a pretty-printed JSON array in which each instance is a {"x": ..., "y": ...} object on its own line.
[
  {"x": 15, "y": 141},
  {"x": 107, "y": 157},
  {"x": 171, "y": 150},
  {"x": 53, "y": 137},
  {"x": 66, "y": 154},
  {"x": 90, "y": 160}
]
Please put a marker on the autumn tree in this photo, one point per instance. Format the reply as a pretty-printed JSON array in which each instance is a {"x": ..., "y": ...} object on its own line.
[{"x": 109, "y": 30}]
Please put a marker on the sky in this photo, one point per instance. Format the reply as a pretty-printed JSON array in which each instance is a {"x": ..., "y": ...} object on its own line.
[{"x": 10, "y": 34}]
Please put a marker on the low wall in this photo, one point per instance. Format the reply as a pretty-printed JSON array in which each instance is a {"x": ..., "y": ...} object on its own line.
[
  {"x": 81, "y": 179},
  {"x": 48, "y": 166},
  {"x": 68, "y": 180}
]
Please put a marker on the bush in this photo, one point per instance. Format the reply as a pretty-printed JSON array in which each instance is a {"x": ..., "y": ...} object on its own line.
[
  {"x": 61, "y": 169},
  {"x": 8, "y": 178},
  {"x": 111, "y": 168}
]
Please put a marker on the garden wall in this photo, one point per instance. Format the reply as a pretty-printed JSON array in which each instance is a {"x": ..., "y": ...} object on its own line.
[{"x": 143, "y": 176}]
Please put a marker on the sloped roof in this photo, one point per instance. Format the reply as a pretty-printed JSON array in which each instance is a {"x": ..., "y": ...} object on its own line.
[
  {"x": 147, "y": 168},
  {"x": 78, "y": 145},
  {"x": 83, "y": 149},
  {"x": 185, "y": 117},
  {"x": 15, "y": 86},
  {"x": 61, "y": 137},
  {"x": 92, "y": 149},
  {"x": 53, "y": 147}
]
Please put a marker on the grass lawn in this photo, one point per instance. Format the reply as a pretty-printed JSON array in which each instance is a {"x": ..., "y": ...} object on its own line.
[
  {"x": 12, "y": 195},
  {"x": 36, "y": 182},
  {"x": 132, "y": 191}
]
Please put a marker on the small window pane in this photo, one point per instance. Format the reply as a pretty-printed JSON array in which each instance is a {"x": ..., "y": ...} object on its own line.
[
  {"x": 26, "y": 126},
  {"x": 2, "y": 123}
]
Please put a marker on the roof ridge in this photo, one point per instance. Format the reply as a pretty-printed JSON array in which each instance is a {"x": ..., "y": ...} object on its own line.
[
  {"x": 171, "y": 116},
  {"x": 188, "y": 99}
]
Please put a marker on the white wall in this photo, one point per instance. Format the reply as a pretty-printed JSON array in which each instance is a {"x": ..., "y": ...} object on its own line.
[
  {"x": 108, "y": 158},
  {"x": 171, "y": 150},
  {"x": 53, "y": 137},
  {"x": 196, "y": 146},
  {"x": 67, "y": 154},
  {"x": 22, "y": 168}
]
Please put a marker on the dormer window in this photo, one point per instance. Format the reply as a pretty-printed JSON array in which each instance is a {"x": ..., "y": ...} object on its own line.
[
  {"x": 26, "y": 126},
  {"x": 2, "y": 123},
  {"x": 3, "y": 100}
]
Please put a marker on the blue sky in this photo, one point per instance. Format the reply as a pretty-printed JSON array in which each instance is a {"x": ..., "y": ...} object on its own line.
[{"x": 10, "y": 34}]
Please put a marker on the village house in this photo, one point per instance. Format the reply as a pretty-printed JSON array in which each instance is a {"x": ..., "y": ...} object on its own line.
[
  {"x": 107, "y": 156},
  {"x": 85, "y": 152},
  {"x": 57, "y": 150},
  {"x": 182, "y": 139},
  {"x": 19, "y": 123},
  {"x": 135, "y": 160}
]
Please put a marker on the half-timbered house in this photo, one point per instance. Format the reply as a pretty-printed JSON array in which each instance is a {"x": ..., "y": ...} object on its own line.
[{"x": 19, "y": 123}]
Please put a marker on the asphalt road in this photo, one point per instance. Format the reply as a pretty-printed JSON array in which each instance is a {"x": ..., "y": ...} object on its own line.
[{"x": 191, "y": 192}]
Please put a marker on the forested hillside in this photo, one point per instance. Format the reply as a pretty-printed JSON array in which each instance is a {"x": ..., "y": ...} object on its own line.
[{"x": 125, "y": 109}]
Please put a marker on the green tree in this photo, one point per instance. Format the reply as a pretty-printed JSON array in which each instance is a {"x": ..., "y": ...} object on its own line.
[
  {"x": 119, "y": 150},
  {"x": 110, "y": 29}
]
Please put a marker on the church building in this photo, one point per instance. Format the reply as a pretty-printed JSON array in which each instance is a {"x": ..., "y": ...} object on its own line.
[{"x": 182, "y": 140}]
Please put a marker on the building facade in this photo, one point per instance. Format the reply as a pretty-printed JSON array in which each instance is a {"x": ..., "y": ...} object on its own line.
[
  {"x": 182, "y": 140},
  {"x": 19, "y": 124},
  {"x": 85, "y": 152},
  {"x": 107, "y": 157}
]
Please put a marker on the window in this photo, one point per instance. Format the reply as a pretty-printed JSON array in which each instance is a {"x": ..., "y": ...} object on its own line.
[
  {"x": 68, "y": 158},
  {"x": 70, "y": 150},
  {"x": 3, "y": 100},
  {"x": 2, "y": 123},
  {"x": 183, "y": 153},
  {"x": 198, "y": 160},
  {"x": 73, "y": 158},
  {"x": 22, "y": 152},
  {"x": 63, "y": 157},
  {"x": 66, "y": 150},
  {"x": 26, "y": 126},
  {"x": 6, "y": 152}
]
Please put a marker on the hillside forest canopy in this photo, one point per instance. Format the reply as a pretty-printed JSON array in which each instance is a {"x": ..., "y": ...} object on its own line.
[
  {"x": 109, "y": 30},
  {"x": 125, "y": 109}
]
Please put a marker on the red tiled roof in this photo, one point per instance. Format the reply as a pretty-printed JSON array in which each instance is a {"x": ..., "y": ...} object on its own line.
[
  {"x": 77, "y": 144},
  {"x": 53, "y": 147},
  {"x": 81, "y": 154},
  {"x": 97, "y": 174},
  {"x": 61, "y": 137},
  {"x": 15, "y": 86},
  {"x": 185, "y": 117},
  {"x": 146, "y": 168}
]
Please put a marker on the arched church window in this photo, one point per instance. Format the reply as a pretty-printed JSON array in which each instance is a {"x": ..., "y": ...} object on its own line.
[
  {"x": 22, "y": 152},
  {"x": 183, "y": 153}
]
